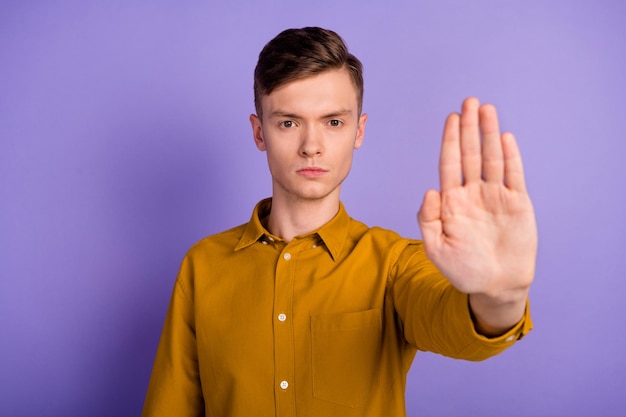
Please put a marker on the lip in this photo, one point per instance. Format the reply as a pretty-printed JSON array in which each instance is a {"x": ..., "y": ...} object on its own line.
[{"x": 311, "y": 172}]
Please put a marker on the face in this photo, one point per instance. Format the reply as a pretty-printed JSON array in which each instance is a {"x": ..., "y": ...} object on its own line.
[{"x": 310, "y": 129}]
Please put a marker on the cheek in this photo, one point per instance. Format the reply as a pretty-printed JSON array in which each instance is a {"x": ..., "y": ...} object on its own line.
[
  {"x": 278, "y": 159},
  {"x": 345, "y": 151}
]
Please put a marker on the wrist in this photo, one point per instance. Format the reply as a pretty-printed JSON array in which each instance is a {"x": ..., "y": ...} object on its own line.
[{"x": 495, "y": 315}]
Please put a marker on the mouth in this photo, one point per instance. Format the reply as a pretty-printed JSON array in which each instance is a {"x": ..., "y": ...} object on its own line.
[{"x": 311, "y": 172}]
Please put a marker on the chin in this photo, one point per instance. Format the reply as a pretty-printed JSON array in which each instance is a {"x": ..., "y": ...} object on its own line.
[
  {"x": 319, "y": 194},
  {"x": 307, "y": 192}
]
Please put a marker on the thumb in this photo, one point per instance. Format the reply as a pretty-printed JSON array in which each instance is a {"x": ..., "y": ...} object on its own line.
[{"x": 429, "y": 218}]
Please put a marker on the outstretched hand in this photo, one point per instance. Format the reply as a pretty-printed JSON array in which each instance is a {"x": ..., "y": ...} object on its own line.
[{"x": 479, "y": 229}]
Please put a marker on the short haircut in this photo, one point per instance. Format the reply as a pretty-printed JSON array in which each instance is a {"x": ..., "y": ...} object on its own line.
[{"x": 295, "y": 54}]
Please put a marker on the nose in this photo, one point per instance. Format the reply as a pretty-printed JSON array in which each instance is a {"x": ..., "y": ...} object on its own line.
[{"x": 311, "y": 142}]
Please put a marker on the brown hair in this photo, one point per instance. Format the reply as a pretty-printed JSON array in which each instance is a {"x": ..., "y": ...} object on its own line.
[{"x": 295, "y": 54}]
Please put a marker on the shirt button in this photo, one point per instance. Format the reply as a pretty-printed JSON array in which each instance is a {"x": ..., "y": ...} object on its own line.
[
  {"x": 282, "y": 317},
  {"x": 510, "y": 338},
  {"x": 284, "y": 384},
  {"x": 264, "y": 242},
  {"x": 287, "y": 256},
  {"x": 314, "y": 246}
]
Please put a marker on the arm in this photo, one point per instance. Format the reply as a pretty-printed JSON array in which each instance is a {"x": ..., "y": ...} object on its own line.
[
  {"x": 175, "y": 388},
  {"x": 479, "y": 229},
  {"x": 434, "y": 315}
]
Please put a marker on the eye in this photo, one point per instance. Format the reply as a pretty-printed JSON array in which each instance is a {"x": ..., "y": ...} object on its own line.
[
  {"x": 335, "y": 123},
  {"x": 287, "y": 124}
]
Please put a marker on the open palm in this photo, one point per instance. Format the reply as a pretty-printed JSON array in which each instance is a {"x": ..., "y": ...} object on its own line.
[{"x": 479, "y": 229}]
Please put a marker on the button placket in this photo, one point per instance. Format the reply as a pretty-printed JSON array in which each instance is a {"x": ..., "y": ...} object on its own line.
[{"x": 284, "y": 343}]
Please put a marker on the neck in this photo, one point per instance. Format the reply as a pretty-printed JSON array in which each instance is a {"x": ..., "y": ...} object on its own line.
[{"x": 293, "y": 218}]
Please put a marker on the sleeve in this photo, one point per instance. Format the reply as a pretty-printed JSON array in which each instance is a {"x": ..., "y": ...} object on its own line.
[
  {"x": 175, "y": 388},
  {"x": 435, "y": 316}
]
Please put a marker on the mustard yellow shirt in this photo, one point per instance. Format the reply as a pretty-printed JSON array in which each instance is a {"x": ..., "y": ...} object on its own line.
[{"x": 325, "y": 325}]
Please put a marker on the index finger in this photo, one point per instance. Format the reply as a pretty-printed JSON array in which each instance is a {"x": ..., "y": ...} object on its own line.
[{"x": 450, "y": 172}]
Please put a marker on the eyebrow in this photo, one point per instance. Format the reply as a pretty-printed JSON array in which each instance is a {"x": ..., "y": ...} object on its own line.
[{"x": 280, "y": 113}]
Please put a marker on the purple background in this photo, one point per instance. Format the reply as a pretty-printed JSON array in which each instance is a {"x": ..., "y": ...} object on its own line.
[{"x": 124, "y": 139}]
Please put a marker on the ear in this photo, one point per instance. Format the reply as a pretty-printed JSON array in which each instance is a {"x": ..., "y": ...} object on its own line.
[
  {"x": 257, "y": 132},
  {"x": 360, "y": 131}
]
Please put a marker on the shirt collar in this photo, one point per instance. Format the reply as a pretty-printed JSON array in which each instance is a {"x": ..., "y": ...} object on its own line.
[
  {"x": 333, "y": 233},
  {"x": 254, "y": 229}
]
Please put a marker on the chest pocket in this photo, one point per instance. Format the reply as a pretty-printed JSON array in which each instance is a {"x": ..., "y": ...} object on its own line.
[{"x": 346, "y": 355}]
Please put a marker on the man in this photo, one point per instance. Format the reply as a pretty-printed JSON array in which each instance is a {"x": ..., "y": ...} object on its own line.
[{"x": 304, "y": 311}]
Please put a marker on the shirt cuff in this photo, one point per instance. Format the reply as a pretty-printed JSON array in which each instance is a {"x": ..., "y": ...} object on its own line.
[
  {"x": 482, "y": 347},
  {"x": 516, "y": 333}
]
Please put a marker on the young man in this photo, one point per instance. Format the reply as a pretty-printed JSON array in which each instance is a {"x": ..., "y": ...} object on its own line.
[{"x": 304, "y": 311}]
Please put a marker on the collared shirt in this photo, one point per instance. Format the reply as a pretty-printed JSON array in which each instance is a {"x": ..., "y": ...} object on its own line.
[{"x": 325, "y": 325}]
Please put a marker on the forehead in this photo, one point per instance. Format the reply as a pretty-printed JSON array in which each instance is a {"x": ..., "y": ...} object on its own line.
[{"x": 321, "y": 93}]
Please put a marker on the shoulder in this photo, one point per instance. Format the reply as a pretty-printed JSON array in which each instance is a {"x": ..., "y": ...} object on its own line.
[
  {"x": 217, "y": 243},
  {"x": 381, "y": 240},
  {"x": 206, "y": 255}
]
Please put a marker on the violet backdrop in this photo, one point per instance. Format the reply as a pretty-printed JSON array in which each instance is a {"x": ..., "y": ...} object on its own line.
[{"x": 124, "y": 138}]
